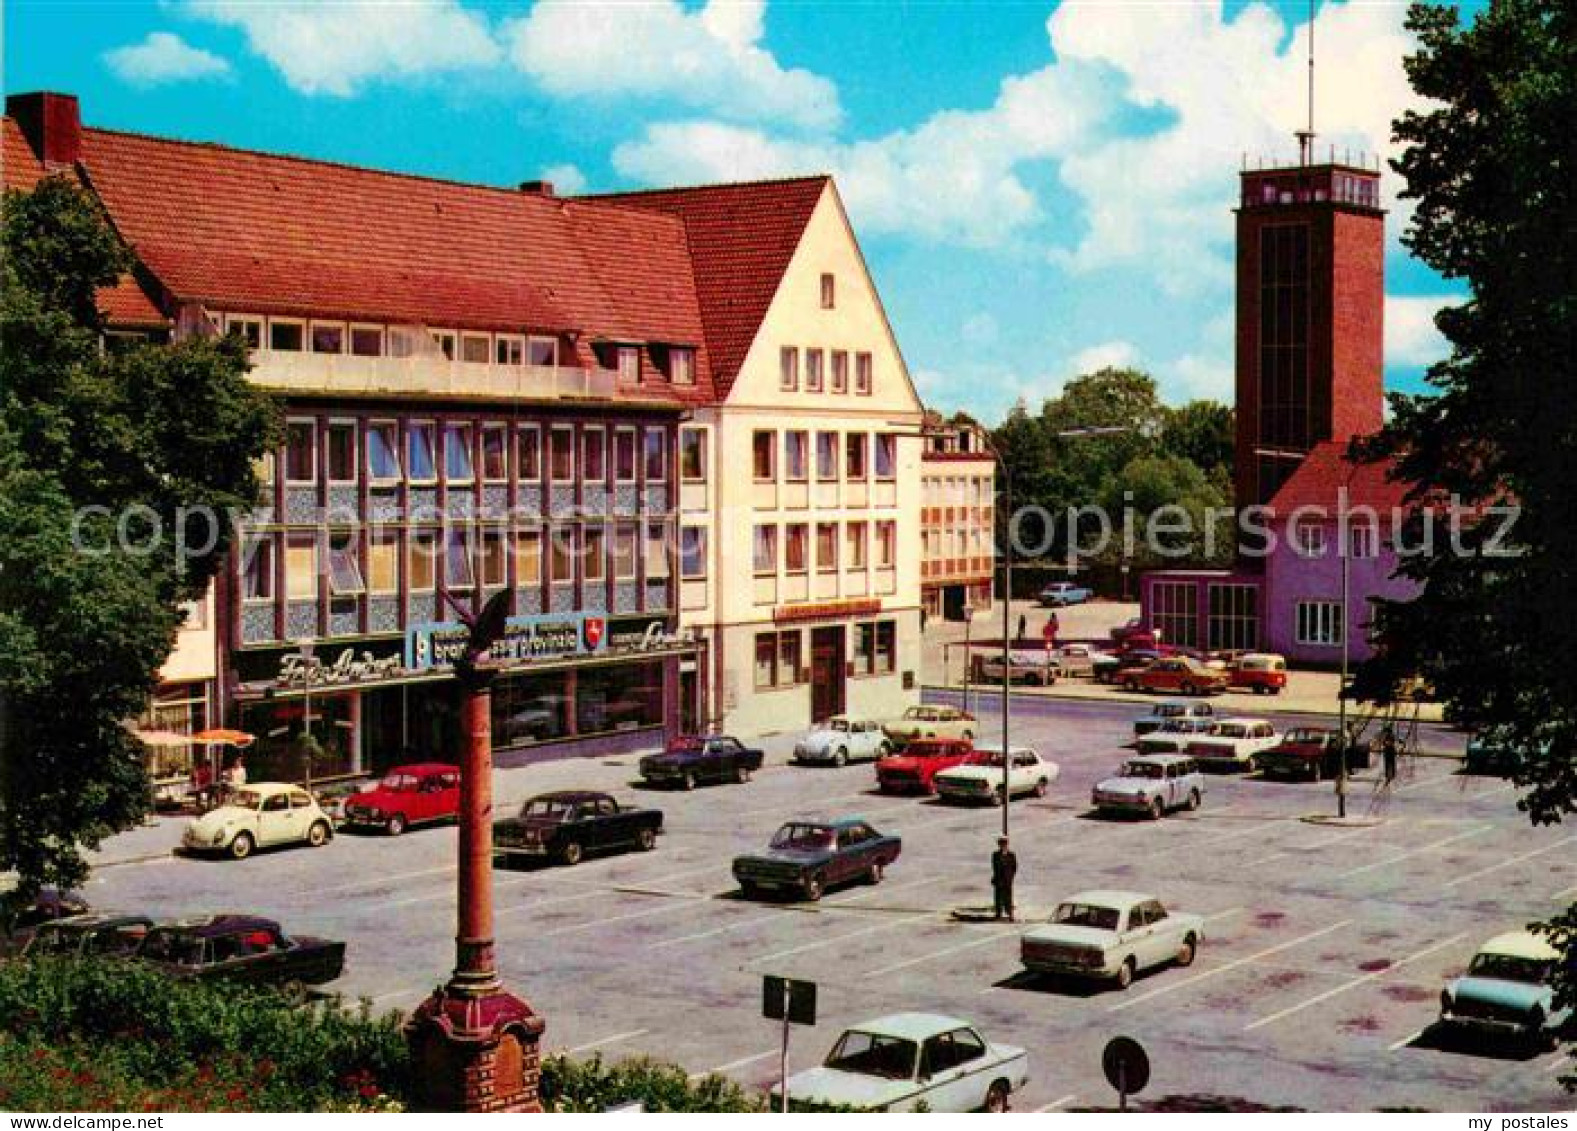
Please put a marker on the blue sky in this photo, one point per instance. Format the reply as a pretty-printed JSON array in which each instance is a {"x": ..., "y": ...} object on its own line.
[{"x": 1041, "y": 188}]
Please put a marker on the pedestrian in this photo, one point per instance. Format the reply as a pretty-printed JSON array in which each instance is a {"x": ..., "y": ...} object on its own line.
[
  {"x": 1023, "y": 625},
  {"x": 1004, "y": 866},
  {"x": 1388, "y": 753},
  {"x": 1052, "y": 628}
]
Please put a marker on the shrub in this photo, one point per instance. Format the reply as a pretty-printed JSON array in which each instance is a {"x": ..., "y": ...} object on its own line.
[{"x": 593, "y": 1085}]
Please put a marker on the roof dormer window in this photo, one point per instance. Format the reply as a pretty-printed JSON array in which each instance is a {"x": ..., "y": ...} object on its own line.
[{"x": 681, "y": 365}]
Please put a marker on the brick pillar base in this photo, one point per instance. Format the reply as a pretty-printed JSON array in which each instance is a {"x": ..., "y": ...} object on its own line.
[{"x": 475, "y": 1052}]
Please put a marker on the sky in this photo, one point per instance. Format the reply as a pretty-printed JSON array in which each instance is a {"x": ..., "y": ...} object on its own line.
[{"x": 1041, "y": 188}]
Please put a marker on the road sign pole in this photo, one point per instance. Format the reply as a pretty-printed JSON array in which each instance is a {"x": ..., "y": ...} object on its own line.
[{"x": 783, "y": 1054}]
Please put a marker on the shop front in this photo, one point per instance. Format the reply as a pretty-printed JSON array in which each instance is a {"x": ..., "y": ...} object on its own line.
[{"x": 575, "y": 684}]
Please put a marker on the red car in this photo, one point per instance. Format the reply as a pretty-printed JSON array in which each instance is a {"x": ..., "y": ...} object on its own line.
[
  {"x": 916, "y": 768},
  {"x": 1263, "y": 673},
  {"x": 1181, "y": 675},
  {"x": 407, "y": 795}
]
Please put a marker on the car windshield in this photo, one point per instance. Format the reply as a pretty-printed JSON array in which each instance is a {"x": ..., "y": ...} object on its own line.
[
  {"x": 838, "y": 724},
  {"x": 1302, "y": 735},
  {"x": 986, "y": 758},
  {"x": 398, "y": 781},
  {"x": 1087, "y": 915},
  {"x": 1511, "y": 968},
  {"x": 1170, "y": 711},
  {"x": 1232, "y": 730},
  {"x": 872, "y": 1054},
  {"x": 803, "y": 837},
  {"x": 173, "y": 946},
  {"x": 1144, "y": 770},
  {"x": 247, "y": 799},
  {"x": 691, "y": 743},
  {"x": 546, "y": 808}
]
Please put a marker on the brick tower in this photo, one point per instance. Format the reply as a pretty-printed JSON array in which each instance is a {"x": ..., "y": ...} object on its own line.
[{"x": 1310, "y": 302}]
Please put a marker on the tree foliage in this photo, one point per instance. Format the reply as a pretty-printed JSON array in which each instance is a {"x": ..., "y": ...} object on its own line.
[{"x": 116, "y": 468}]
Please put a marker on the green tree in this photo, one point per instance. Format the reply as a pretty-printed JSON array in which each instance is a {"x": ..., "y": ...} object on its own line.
[
  {"x": 1185, "y": 505},
  {"x": 1489, "y": 163},
  {"x": 117, "y": 468},
  {"x": 1202, "y": 433}
]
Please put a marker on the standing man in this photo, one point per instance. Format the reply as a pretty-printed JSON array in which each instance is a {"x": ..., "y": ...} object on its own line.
[
  {"x": 1050, "y": 631},
  {"x": 1023, "y": 625},
  {"x": 1004, "y": 866},
  {"x": 1388, "y": 753}
]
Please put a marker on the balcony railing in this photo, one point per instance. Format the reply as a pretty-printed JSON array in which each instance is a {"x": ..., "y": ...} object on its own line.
[{"x": 424, "y": 376}]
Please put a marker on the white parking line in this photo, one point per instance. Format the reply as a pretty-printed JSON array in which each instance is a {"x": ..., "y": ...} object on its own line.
[
  {"x": 1462, "y": 879},
  {"x": 613, "y": 1040},
  {"x": 376, "y": 881},
  {"x": 715, "y": 931},
  {"x": 1055, "y": 1104},
  {"x": 1419, "y": 851},
  {"x": 819, "y": 943},
  {"x": 1358, "y": 981},
  {"x": 592, "y": 925},
  {"x": 1303, "y": 849},
  {"x": 1565, "y": 894},
  {"x": 934, "y": 955},
  {"x": 1261, "y": 827},
  {"x": 1405, "y": 1041},
  {"x": 740, "y": 1063},
  {"x": 1233, "y": 965}
]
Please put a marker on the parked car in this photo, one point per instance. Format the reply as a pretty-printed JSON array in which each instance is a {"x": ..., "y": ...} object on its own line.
[
  {"x": 842, "y": 739},
  {"x": 931, "y": 721},
  {"x": 564, "y": 826},
  {"x": 907, "y": 1060},
  {"x": 1080, "y": 659},
  {"x": 1507, "y": 990},
  {"x": 1130, "y": 628},
  {"x": 1111, "y": 934},
  {"x": 1310, "y": 752},
  {"x": 98, "y": 934},
  {"x": 406, "y": 796},
  {"x": 1113, "y": 668},
  {"x": 260, "y": 816},
  {"x": 1490, "y": 758},
  {"x": 1170, "y": 709},
  {"x": 979, "y": 778},
  {"x": 1233, "y": 744},
  {"x": 246, "y": 948},
  {"x": 1263, "y": 673},
  {"x": 1175, "y": 735},
  {"x": 1155, "y": 785},
  {"x": 807, "y": 857},
  {"x": 1060, "y": 594},
  {"x": 1026, "y": 666},
  {"x": 1182, "y": 675},
  {"x": 20, "y": 918},
  {"x": 915, "y": 769},
  {"x": 694, "y": 759}
]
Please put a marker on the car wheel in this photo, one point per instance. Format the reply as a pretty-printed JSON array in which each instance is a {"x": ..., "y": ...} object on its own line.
[
  {"x": 1193, "y": 799},
  {"x": 1252, "y": 765},
  {"x": 241, "y": 847},
  {"x": 1157, "y": 809},
  {"x": 1125, "y": 974},
  {"x": 688, "y": 781},
  {"x": 741, "y": 775},
  {"x": 571, "y": 853},
  {"x": 318, "y": 835},
  {"x": 1185, "y": 953},
  {"x": 396, "y": 825},
  {"x": 749, "y": 890},
  {"x": 814, "y": 886},
  {"x": 876, "y": 872},
  {"x": 1042, "y": 787},
  {"x": 968, "y": 736},
  {"x": 997, "y": 1097},
  {"x": 1131, "y": 685},
  {"x": 646, "y": 840},
  {"x": 841, "y": 758}
]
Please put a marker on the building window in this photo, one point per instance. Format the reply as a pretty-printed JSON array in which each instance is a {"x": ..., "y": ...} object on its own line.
[
  {"x": 656, "y": 456},
  {"x": 854, "y": 455},
  {"x": 474, "y": 348},
  {"x": 328, "y": 337},
  {"x": 1319, "y": 622},
  {"x": 813, "y": 363},
  {"x": 788, "y": 368},
  {"x": 1361, "y": 540},
  {"x": 1309, "y": 539},
  {"x": 444, "y": 342},
  {"x": 692, "y": 553},
  {"x": 886, "y": 455},
  {"x": 257, "y": 569},
  {"x": 826, "y": 455},
  {"x": 829, "y": 292},
  {"x": 301, "y": 451},
  {"x": 458, "y": 467},
  {"x": 495, "y": 453},
  {"x": 681, "y": 363},
  {"x": 419, "y": 463},
  {"x": 624, "y": 455},
  {"x": 342, "y": 451},
  {"x": 542, "y": 353},
  {"x": 629, "y": 359},
  {"x": 840, "y": 371},
  {"x": 301, "y": 569},
  {"x": 457, "y": 559},
  {"x": 528, "y": 454},
  {"x": 561, "y": 556},
  {"x": 1174, "y": 612},
  {"x": 864, "y": 648},
  {"x": 383, "y": 451},
  {"x": 797, "y": 543},
  {"x": 788, "y": 658},
  {"x": 421, "y": 560},
  {"x": 826, "y": 547},
  {"x": 854, "y": 536},
  {"x": 765, "y": 553},
  {"x": 366, "y": 341},
  {"x": 766, "y": 659},
  {"x": 490, "y": 557},
  {"x": 592, "y": 447},
  {"x": 594, "y": 547},
  {"x": 886, "y": 544},
  {"x": 862, "y": 374},
  {"x": 528, "y": 557},
  {"x": 656, "y": 552},
  {"x": 692, "y": 455},
  {"x": 286, "y": 337},
  {"x": 886, "y": 658},
  {"x": 1234, "y": 617},
  {"x": 344, "y": 566},
  {"x": 250, "y": 329},
  {"x": 383, "y": 564},
  {"x": 561, "y": 455},
  {"x": 763, "y": 451},
  {"x": 509, "y": 350},
  {"x": 624, "y": 552},
  {"x": 796, "y": 456}
]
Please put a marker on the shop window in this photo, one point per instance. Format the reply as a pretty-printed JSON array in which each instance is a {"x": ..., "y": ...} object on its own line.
[
  {"x": 886, "y": 455},
  {"x": 854, "y": 536},
  {"x": 366, "y": 341},
  {"x": 594, "y": 543},
  {"x": 509, "y": 350},
  {"x": 617, "y": 697},
  {"x": 826, "y": 455},
  {"x": 328, "y": 337},
  {"x": 692, "y": 455},
  {"x": 561, "y": 555},
  {"x": 528, "y": 557},
  {"x": 788, "y": 658},
  {"x": 624, "y": 552},
  {"x": 301, "y": 451},
  {"x": 344, "y": 566},
  {"x": 862, "y": 374},
  {"x": 342, "y": 451},
  {"x": 854, "y": 455},
  {"x": 624, "y": 455},
  {"x": 457, "y": 560},
  {"x": 796, "y": 539},
  {"x": 422, "y": 566},
  {"x": 796, "y": 456},
  {"x": 788, "y": 368},
  {"x": 864, "y": 648},
  {"x": 593, "y": 451},
  {"x": 286, "y": 337},
  {"x": 458, "y": 466},
  {"x": 766, "y": 660},
  {"x": 419, "y": 463},
  {"x": 257, "y": 569},
  {"x": 656, "y": 551},
  {"x": 813, "y": 363},
  {"x": 383, "y": 564},
  {"x": 490, "y": 558},
  {"x": 763, "y": 456},
  {"x": 826, "y": 547},
  {"x": 474, "y": 348},
  {"x": 692, "y": 553},
  {"x": 530, "y": 708},
  {"x": 301, "y": 569},
  {"x": 656, "y": 456},
  {"x": 383, "y": 452},
  {"x": 886, "y": 658},
  {"x": 766, "y": 550},
  {"x": 561, "y": 455},
  {"x": 840, "y": 371}
]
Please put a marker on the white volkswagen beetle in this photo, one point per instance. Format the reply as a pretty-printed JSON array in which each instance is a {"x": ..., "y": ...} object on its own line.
[
  {"x": 842, "y": 739},
  {"x": 259, "y": 816}
]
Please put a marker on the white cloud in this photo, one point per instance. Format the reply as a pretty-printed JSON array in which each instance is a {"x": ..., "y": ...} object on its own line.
[
  {"x": 1410, "y": 335},
  {"x": 336, "y": 48},
  {"x": 709, "y": 59},
  {"x": 1104, "y": 355},
  {"x": 566, "y": 179},
  {"x": 163, "y": 58}
]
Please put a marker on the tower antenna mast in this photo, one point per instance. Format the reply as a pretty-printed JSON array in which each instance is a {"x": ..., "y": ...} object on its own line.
[{"x": 1306, "y": 136}]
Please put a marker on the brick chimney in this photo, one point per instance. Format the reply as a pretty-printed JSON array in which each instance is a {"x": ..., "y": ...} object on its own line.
[
  {"x": 537, "y": 188},
  {"x": 52, "y": 124}
]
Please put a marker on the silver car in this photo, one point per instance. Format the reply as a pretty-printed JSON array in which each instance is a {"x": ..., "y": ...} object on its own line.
[
  {"x": 840, "y": 740},
  {"x": 1153, "y": 784}
]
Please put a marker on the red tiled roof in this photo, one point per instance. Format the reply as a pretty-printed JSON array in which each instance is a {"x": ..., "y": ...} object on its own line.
[
  {"x": 19, "y": 167},
  {"x": 1326, "y": 470},
  {"x": 741, "y": 238}
]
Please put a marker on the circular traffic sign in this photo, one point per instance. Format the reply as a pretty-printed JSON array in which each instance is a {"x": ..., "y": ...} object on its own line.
[{"x": 1126, "y": 1066}]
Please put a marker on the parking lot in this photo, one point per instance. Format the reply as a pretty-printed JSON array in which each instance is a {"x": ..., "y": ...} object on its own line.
[{"x": 1326, "y": 947}]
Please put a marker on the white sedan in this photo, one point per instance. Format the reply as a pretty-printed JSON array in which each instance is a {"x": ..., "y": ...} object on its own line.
[
  {"x": 899, "y": 1062},
  {"x": 259, "y": 816},
  {"x": 980, "y": 778},
  {"x": 1233, "y": 744},
  {"x": 1112, "y": 935},
  {"x": 1078, "y": 659},
  {"x": 841, "y": 739}
]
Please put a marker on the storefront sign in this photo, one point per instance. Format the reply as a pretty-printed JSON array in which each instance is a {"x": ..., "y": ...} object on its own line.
[
  {"x": 525, "y": 638},
  {"x": 331, "y": 665},
  {"x": 827, "y": 610},
  {"x": 648, "y": 634}
]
